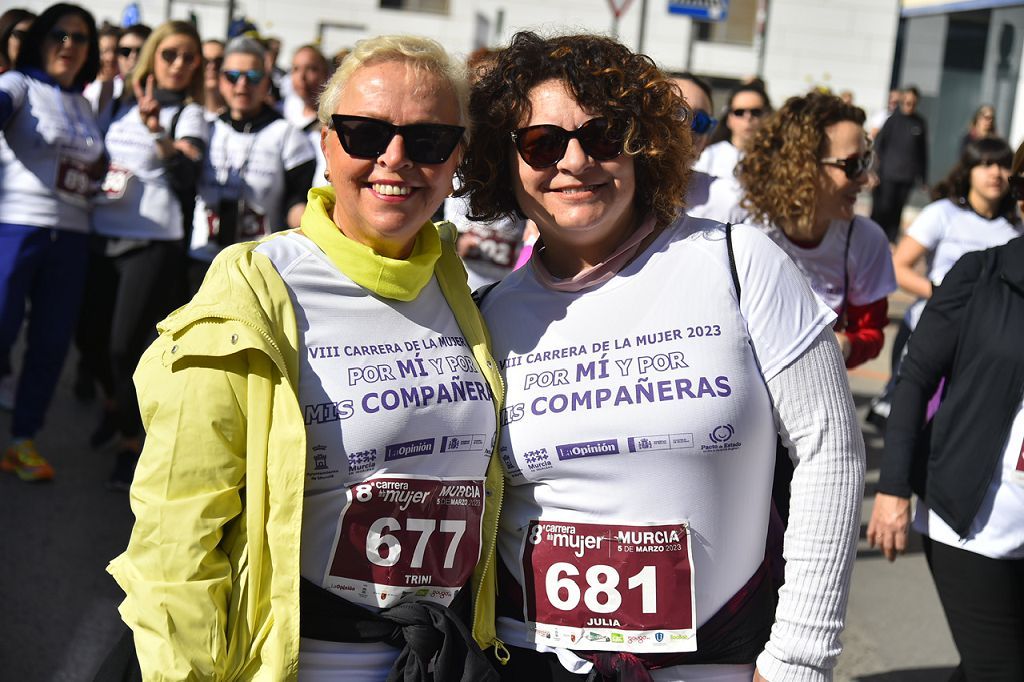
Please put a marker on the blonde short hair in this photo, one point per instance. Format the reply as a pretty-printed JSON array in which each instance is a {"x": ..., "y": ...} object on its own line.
[{"x": 421, "y": 53}]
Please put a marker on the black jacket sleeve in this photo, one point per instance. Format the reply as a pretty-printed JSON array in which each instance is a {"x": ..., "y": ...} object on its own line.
[{"x": 929, "y": 358}]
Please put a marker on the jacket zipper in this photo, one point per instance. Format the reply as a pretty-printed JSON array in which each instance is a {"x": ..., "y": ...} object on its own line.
[
  {"x": 500, "y": 652},
  {"x": 279, "y": 356},
  {"x": 991, "y": 472}
]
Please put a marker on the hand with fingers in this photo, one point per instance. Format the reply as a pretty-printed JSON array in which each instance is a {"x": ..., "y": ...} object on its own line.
[
  {"x": 149, "y": 107},
  {"x": 890, "y": 521}
]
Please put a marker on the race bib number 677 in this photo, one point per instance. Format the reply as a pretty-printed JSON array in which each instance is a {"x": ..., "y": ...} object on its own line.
[
  {"x": 609, "y": 587},
  {"x": 405, "y": 537}
]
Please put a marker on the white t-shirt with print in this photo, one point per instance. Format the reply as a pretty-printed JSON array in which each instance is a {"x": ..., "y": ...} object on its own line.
[
  {"x": 643, "y": 401},
  {"x": 867, "y": 265},
  {"x": 137, "y": 201},
  {"x": 45, "y": 148},
  {"x": 719, "y": 159},
  {"x": 395, "y": 405},
  {"x": 249, "y": 167}
]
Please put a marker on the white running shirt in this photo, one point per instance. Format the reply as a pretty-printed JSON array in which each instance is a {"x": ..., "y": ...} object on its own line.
[
  {"x": 393, "y": 398},
  {"x": 643, "y": 401},
  {"x": 868, "y": 264},
  {"x": 44, "y": 149}
]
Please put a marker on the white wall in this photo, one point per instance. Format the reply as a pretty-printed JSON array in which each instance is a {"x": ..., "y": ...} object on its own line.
[
  {"x": 845, "y": 44},
  {"x": 840, "y": 44}
]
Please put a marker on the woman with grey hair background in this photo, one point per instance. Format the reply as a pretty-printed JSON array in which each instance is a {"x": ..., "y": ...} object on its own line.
[
  {"x": 259, "y": 167},
  {"x": 317, "y": 497}
]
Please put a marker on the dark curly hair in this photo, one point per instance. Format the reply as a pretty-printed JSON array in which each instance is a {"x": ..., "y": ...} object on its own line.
[
  {"x": 605, "y": 78},
  {"x": 779, "y": 172},
  {"x": 983, "y": 152}
]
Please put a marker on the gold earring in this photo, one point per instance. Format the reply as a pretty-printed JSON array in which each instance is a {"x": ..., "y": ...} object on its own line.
[{"x": 327, "y": 174}]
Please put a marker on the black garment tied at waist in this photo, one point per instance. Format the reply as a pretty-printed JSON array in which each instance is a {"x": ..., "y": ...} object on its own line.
[{"x": 434, "y": 641}]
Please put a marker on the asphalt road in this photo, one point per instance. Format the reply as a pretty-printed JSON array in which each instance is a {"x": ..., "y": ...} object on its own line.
[{"x": 58, "y": 614}]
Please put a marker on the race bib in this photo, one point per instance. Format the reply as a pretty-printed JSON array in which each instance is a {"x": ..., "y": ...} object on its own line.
[
  {"x": 406, "y": 538},
  {"x": 609, "y": 587},
  {"x": 115, "y": 182},
  {"x": 73, "y": 180},
  {"x": 494, "y": 248}
]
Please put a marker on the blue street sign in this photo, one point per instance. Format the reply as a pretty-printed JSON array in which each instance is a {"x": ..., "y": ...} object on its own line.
[{"x": 702, "y": 10}]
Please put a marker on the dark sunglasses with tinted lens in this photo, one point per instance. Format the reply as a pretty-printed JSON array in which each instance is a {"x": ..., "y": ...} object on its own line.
[
  {"x": 755, "y": 112},
  {"x": 128, "y": 51},
  {"x": 1017, "y": 187},
  {"x": 254, "y": 76},
  {"x": 367, "y": 138},
  {"x": 853, "y": 166},
  {"x": 19, "y": 34},
  {"x": 170, "y": 56},
  {"x": 702, "y": 123},
  {"x": 59, "y": 36},
  {"x": 542, "y": 146}
]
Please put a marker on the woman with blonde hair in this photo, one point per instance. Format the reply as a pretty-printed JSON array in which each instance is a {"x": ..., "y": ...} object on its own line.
[
  {"x": 317, "y": 487},
  {"x": 156, "y": 136}
]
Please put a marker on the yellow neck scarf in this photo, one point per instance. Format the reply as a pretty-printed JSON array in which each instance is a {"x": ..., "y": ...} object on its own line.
[{"x": 401, "y": 280}]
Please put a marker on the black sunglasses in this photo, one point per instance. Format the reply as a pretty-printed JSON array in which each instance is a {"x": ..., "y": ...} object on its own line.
[
  {"x": 755, "y": 112},
  {"x": 128, "y": 51},
  {"x": 367, "y": 138},
  {"x": 19, "y": 34},
  {"x": 1017, "y": 187},
  {"x": 702, "y": 123},
  {"x": 853, "y": 166},
  {"x": 254, "y": 76},
  {"x": 170, "y": 56},
  {"x": 59, "y": 36},
  {"x": 542, "y": 146}
]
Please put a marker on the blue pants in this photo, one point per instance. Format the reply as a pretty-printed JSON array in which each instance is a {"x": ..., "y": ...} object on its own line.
[{"x": 46, "y": 268}]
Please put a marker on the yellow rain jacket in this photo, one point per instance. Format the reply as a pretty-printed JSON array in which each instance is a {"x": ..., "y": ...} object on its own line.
[{"x": 211, "y": 571}]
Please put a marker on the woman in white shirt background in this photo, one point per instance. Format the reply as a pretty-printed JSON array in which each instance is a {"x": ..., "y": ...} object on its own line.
[
  {"x": 972, "y": 211},
  {"x": 748, "y": 106},
  {"x": 51, "y": 157}
]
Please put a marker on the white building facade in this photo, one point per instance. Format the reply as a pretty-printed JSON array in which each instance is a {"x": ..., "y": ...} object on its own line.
[{"x": 840, "y": 44}]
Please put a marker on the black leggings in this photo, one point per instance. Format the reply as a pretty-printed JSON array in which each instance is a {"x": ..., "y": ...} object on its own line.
[
  {"x": 983, "y": 600},
  {"x": 147, "y": 281}
]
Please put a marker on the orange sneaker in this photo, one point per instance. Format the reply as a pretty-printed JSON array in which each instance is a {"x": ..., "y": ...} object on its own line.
[{"x": 23, "y": 459}]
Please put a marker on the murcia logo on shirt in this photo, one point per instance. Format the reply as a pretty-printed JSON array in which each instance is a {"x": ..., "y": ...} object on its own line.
[
  {"x": 537, "y": 460},
  {"x": 721, "y": 438},
  {"x": 592, "y": 448},
  {"x": 362, "y": 461}
]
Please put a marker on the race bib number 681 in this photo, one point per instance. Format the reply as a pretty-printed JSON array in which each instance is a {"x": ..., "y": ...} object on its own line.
[{"x": 609, "y": 587}]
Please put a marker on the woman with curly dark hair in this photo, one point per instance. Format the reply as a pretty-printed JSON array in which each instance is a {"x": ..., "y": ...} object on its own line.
[
  {"x": 639, "y": 430},
  {"x": 801, "y": 177}
]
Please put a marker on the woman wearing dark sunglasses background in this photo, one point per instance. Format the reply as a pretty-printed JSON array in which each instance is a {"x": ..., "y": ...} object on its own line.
[
  {"x": 804, "y": 200},
  {"x": 747, "y": 109},
  {"x": 155, "y": 135},
  {"x": 321, "y": 419},
  {"x": 51, "y": 156},
  {"x": 259, "y": 166},
  {"x": 622, "y": 551}
]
